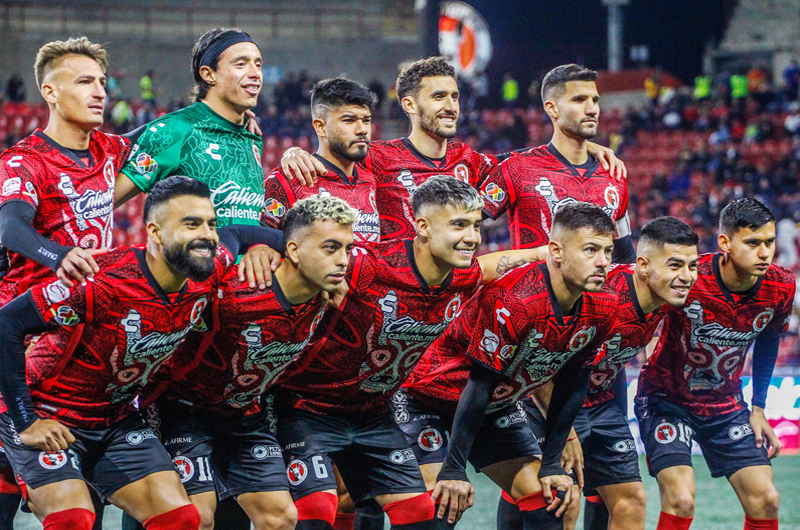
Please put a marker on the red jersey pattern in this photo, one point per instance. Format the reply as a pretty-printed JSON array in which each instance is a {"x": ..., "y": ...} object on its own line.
[
  {"x": 260, "y": 334},
  {"x": 698, "y": 360},
  {"x": 114, "y": 332},
  {"x": 516, "y": 329},
  {"x": 371, "y": 344},
  {"x": 399, "y": 168},
  {"x": 74, "y": 203},
  {"x": 534, "y": 184},
  {"x": 359, "y": 193},
  {"x": 633, "y": 331}
]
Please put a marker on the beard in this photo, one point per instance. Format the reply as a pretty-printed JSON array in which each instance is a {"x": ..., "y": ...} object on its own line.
[
  {"x": 428, "y": 123},
  {"x": 342, "y": 148},
  {"x": 576, "y": 128},
  {"x": 195, "y": 268}
]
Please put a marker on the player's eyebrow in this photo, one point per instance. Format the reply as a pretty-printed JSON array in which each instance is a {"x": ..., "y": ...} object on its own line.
[
  {"x": 91, "y": 77},
  {"x": 677, "y": 261},
  {"x": 195, "y": 219},
  {"x": 444, "y": 93},
  {"x": 245, "y": 58},
  {"x": 334, "y": 241}
]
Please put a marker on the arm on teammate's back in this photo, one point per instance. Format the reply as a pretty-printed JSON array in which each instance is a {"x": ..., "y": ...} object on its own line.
[
  {"x": 624, "y": 251},
  {"x": 496, "y": 264},
  {"x": 18, "y": 235},
  {"x": 301, "y": 165},
  {"x": 264, "y": 247}
]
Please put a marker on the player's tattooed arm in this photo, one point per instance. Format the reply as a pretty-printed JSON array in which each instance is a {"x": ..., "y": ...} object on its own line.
[
  {"x": 496, "y": 264},
  {"x": 608, "y": 160},
  {"x": 301, "y": 165}
]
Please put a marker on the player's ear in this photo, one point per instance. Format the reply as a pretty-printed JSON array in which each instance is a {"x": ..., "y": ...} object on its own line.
[
  {"x": 423, "y": 226},
  {"x": 643, "y": 264},
  {"x": 551, "y": 109},
  {"x": 208, "y": 74},
  {"x": 292, "y": 251},
  {"x": 154, "y": 231},
  {"x": 724, "y": 242},
  {"x": 49, "y": 92},
  {"x": 555, "y": 249},
  {"x": 409, "y": 105},
  {"x": 319, "y": 127}
]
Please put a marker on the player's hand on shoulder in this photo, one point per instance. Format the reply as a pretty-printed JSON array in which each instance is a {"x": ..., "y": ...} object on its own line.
[
  {"x": 252, "y": 123},
  {"x": 454, "y": 497},
  {"x": 763, "y": 432},
  {"x": 608, "y": 160},
  {"x": 78, "y": 265},
  {"x": 559, "y": 501},
  {"x": 47, "y": 435},
  {"x": 257, "y": 266},
  {"x": 301, "y": 165}
]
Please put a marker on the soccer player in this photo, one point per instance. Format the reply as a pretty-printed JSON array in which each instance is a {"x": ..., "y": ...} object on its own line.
[
  {"x": 208, "y": 140},
  {"x": 429, "y": 95},
  {"x": 72, "y": 420},
  {"x": 534, "y": 184},
  {"x": 211, "y": 416},
  {"x": 403, "y": 294},
  {"x": 538, "y": 323},
  {"x": 690, "y": 388},
  {"x": 57, "y": 188},
  {"x": 342, "y": 113}
]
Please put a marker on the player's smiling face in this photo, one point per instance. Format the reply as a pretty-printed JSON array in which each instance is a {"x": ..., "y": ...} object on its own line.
[
  {"x": 436, "y": 107},
  {"x": 671, "y": 272},
  {"x": 585, "y": 257},
  {"x": 75, "y": 90},
  {"x": 188, "y": 236},
  {"x": 751, "y": 251},
  {"x": 452, "y": 234},
  {"x": 347, "y": 130},
  {"x": 321, "y": 253},
  {"x": 238, "y": 78},
  {"x": 578, "y": 109}
]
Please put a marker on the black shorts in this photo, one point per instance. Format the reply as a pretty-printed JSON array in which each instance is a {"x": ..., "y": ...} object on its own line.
[
  {"x": 370, "y": 452},
  {"x": 503, "y": 435},
  {"x": 233, "y": 456},
  {"x": 108, "y": 459},
  {"x": 727, "y": 440}
]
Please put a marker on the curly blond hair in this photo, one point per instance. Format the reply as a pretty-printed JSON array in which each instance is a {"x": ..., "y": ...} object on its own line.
[{"x": 316, "y": 208}]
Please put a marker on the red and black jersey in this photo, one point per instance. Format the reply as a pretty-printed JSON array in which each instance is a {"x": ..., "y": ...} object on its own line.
[
  {"x": 515, "y": 327},
  {"x": 399, "y": 168},
  {"x": 632, "y": 332},
  {"x": 358, "y": 191},
  {"x": 390, "y": 316},
  {"x": 534, "y": 184},
  {"x": 698, "y": 360},
  {"x": 73, "y": 198},
  {"x": 258, "y": 335},
  {"x": 114, "y": 332}
]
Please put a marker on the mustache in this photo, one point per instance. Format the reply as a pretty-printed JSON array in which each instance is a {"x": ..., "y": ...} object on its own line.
[{"x": 201, "y": 245}]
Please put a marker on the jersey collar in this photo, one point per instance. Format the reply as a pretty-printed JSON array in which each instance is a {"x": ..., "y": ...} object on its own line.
[
  {"x": 222, "y": 122},
  {"x": 433, "y": 163},
  {"x": 576, "y": 308},
  {"x": 727, "y": 293},
  {"x": 423, "y": 285},
  {"x": 67, "y": 152},
  {"x": 635, "y": 301},
  {"x": 151, "y": 280},
  {"x": 335, "y": 169},
  {"x": 584, "y": 170}
]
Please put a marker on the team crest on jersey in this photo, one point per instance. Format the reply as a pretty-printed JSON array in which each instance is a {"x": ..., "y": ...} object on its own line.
[
  {"x": 53, "y": 459},
  {"x": 493, "y": 192},
  {"x": 197, "y": 311},
  {"x": 665, "y": 432},
  {"x": 462, "y": 173},
  {"x": 611, "y": 195},
  {"x": 56, "y": 292},
  {"x": 372, "y": 202},
  {"x": 12, "y": 186},
  {"x": 581, "y": 339},
  {"x": 256, "y": 154},
  {"x": 66, "y": 316},
  {"x": 184, "y": 467},
  {"x": 430, "y": 440},
  {"x": 109, "y": 174},
  {"x": 145, "y": 164},
  {"x": 763, "y": 319},
  {"x": 297, "y": 472},
  {"x": 275, "y": 208}
]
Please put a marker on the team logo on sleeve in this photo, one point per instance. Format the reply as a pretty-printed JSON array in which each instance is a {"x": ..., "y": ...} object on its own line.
[
  {"x": 429, "y": 440},
  {"x": 297, "y": 472},
  {"x": 145, "y": 164},
  {"x": 56, "y": 292},
  {"x": 763, "y": 318},
  {"x": 184, "y": 467},
  {"x": 493, "y": 192},
  {"x": 66, "y": 316},
  {"x": 611, "y": 195},
  {"x": 462, "y": 173},
  {"x": 52, "y": 459},
  {"x": 275, "y": 208},
  {"x": 665, "y": 433},
  {"x": 12, "y": 186}
]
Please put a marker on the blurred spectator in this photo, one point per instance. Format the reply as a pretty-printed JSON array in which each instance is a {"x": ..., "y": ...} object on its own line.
[
  {"x": 510, "y": 90},
  {"x": 15, "y": 89},
  {"x": 147, "y": 88},
  {"x": 738, "y": 86},
  {"x": 791, "y": 76},
  {"x": 702, "y": 87},
  {"x": 652, "y": 88},
  {"x": 122, "y": 117}
]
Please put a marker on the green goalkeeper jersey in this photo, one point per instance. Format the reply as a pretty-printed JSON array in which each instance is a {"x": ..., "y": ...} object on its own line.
[{"x": 199, "y": 143}]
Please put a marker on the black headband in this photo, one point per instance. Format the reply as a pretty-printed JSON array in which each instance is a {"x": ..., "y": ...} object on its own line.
[{"x": 220, "y": 45}]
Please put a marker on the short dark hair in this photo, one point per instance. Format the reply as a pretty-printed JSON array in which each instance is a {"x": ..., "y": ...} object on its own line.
[
  {"x": 554, "y": 83},
  {"x": 317, "y": 208},
  {"x": 577, "y": 215},
  {"x": 441, "y": 190},
  {"x": 410, "y": 79},
  {"x": 201, "y": 88},
  {"x": 744, "y": 213},
  {"x": 338, "y": 92},
  {"x": 668, "y": 230},
  {"x": 171, "y": 187}
]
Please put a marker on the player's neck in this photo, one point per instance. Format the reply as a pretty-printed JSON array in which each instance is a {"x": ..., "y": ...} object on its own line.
[
  {"x": 648, "y": 301},
  {"x": 167, "y": 277},
  {"x": 66, "y": 134},
  {"x": 433, "y": 272},
  {"x": 566, "y": 295},
  {"x": 295, "y": 288},
  {"x": 427, "y": 143},
  {"x": 225, "y": 109},
  {"x": 573, "y": 149},
  {"x": 734, "y": 278},
  {"x": 345, "y": 165}
]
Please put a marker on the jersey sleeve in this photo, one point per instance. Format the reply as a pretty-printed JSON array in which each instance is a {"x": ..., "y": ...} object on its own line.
[
  {"x": 278, "y": 199},
  {"x": 783, "y": 312},
  {"x": 21, "y": 175},
  {"x": 65, "y": 306},
  {"x": 484, "y": 165},
  {"x": 156, "y": 155},
  {"x": 502, "y": 323},
  {"x": 362, "y": 270},
  {"x": 497, "y": 190}
]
